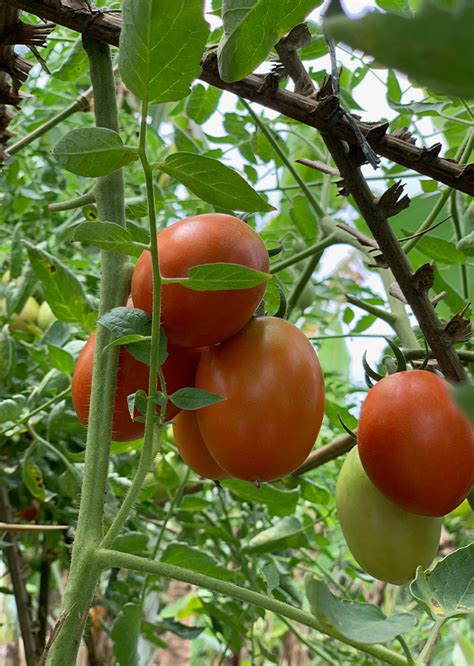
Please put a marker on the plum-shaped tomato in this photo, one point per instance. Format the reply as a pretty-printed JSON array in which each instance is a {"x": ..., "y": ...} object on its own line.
[
  {"x": 193, "y": 449},
  {"x": 387, "y": 541},
  {"x": 415, "y": 444},
  {"x": 200, "y": 318}
]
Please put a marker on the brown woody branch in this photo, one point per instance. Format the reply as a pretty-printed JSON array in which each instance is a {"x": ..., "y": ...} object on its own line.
[
  {"x": 399, "y": 149},
  {"x": 324, "y": 454},
  {"x": 16, "y": 568}
]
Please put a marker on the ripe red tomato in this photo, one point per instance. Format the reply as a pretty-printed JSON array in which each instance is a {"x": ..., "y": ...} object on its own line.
[
  {"x": 31, "y": 512},
  {"x": 271, "y": 377},
  {"x": 179, "y": 371},
  {"x": 193, "y": 449},
  {"x": 196, "y": 318},
  {"x": 415, "y": 444}
]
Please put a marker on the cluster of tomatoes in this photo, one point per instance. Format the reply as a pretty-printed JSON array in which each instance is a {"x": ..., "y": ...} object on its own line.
[
  {"x": 265, "y": 368},
  {"x": 414, "y": 463}
]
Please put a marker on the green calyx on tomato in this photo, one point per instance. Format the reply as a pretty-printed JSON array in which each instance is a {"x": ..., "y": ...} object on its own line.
[
  {"x": 415, "y": 444},
  {"x": 388, "y": 542}
]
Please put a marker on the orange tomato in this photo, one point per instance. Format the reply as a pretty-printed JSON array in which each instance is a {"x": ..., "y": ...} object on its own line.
[
  {"x": 415, "y": 445},
  {"x": 196, "y": 318},
  {"x": 193, "y": 449},
  {"x": 132, "y": 375},
  {"x": 270, "y": 375}
]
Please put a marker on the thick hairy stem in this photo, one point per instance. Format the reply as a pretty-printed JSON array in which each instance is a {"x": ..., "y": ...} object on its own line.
[
  {"x": 108, "y": 558},
  {"x": 84, "y": 573}
]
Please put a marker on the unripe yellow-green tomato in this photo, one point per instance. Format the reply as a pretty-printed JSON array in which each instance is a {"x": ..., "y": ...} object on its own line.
[
  {"x": 45, "y": 315},
  {"x": 387, "y": 541},
  {"x": 6, "y": 277},
  {"x": 27, "y": 316}
]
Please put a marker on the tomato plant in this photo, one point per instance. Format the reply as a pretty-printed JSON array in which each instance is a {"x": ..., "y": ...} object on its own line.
[
  {"x": 132, "y": 375},
  {"x": 387, "y": 541},
  {"x": 195, "y": 318},
  {"x": 270, "y": 375},
  {"x": 193, "y": 449},
  {"x": 415, "y": 444}
]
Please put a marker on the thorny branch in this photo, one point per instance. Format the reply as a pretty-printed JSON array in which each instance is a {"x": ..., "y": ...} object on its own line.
[
  {"x": 13, "y": 68},
  {"x": 322, "y": 111},
  {"x": 399, "y": 149}
]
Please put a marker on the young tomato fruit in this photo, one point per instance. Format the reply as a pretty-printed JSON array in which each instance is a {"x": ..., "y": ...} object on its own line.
[
  {"x": 195, "y": 318},
  {"x": 415, "y": 445},
  {"x": 193, "y": 449},
  {"x": 387, "y": 541},
  {"x": 270, "y": 376},
  {"x": 179, "y": 371}
]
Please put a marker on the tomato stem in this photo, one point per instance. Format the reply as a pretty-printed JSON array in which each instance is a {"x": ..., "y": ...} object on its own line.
[
  {"x": 115, "y": 283},
  {"x": 111, "y": 558}
]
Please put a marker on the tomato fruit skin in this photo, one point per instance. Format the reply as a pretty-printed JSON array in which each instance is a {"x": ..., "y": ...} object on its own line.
[
  {"x": 387, "y": 541},
  {"x": 31, "y": 512},
  {"x": 132, "y": 375},
  {"x": 194, "y": 318},
  {"x": 274, "y": 389},
  {"x": 193, "y": 449},
  {"x": 416, "y": 446}
]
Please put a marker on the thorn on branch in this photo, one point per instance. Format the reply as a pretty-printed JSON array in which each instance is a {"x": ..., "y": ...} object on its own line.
[
  {"x": 396, "y": 292},
  {"x": 392, "y": 202},
  {"x": 423, "y": 278},
  {"x": 26, "y": 34},
  {"x": 431, "y": 153},
  {"x": 459, "y": 328},
  {"x": 16, "y": 67},
  {"x": 404, "y": 134},
  {"x": 377, "y": 131}
]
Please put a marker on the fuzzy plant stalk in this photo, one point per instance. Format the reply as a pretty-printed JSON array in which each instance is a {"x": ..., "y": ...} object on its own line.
[{"x": 84, "y": 571}]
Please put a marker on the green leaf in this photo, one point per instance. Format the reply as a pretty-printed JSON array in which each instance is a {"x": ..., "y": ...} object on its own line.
[
  {"x": 133, "y": 542},
  {"x": 132, "y": 327},
  {"x": 220, "y": 276},
  {"x": 181, "y": 630},
  {"x": 252, "y": 28},
  {"x": 7, "y": 350},
  {"x": 447, "y": 590},
  {"x": 434, "y": 47},
  {"x": 440, "y": 250},
  {"x": 62, "y": 289},
  {"x": 288, "y": 532},
  {"x": 107, "y": 236},
  {"x": 466, "y": 245},
  {"x": 278, "y": 501},
  {"x": 9, "y": 410},
  {"x": 214, "y": 182},
  {"x": 194, "y": 398},
  {"x": 464, "y": 397},
  {"x": 33, "y": 478},
  {"x": 182, "y": 555},
  {"x": 359, "y": 622},
  {"x": 74, "y": 65},
  {"x": 16, "y": 253},
  {"x": 161, "y": 45},
  {"x": 93, "y": 152},
  {"x": 61, "y": 359},
  {"x": 272, "y": 576},
  {"x": 125, "y": 633},
  {"x": 202, "y": 103}
]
